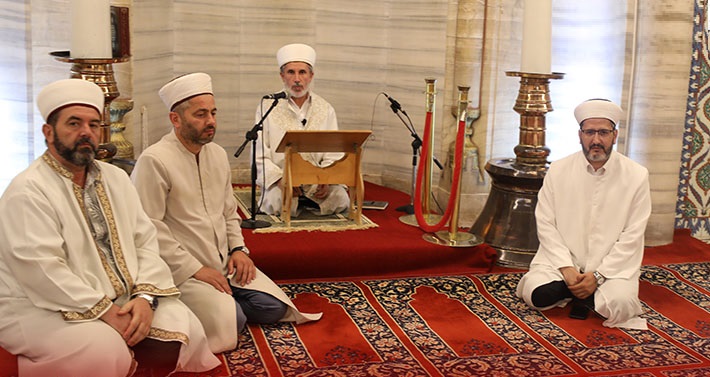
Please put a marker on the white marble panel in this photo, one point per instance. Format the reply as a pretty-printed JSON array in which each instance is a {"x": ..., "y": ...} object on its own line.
[
  {"x": 15, "y": 151},
  {"x": 209, "y": 31},
  {"x": 658, "y": 104},
  {"x": 50, "y": 31},
  {"x": 152, "y": 46}
]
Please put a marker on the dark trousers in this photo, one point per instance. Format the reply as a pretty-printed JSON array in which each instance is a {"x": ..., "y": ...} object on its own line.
[{"x": 257, "y": 307}]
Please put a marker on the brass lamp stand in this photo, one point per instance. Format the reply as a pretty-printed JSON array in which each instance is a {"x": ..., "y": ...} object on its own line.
[
  {"x": 507, "y": 221},
  {"x": 100, "y": 72}
]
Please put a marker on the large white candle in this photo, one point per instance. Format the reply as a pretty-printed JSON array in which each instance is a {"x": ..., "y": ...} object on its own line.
[
  {"x": 537, "y": 36},
  {"x": 91, "y": 29}
]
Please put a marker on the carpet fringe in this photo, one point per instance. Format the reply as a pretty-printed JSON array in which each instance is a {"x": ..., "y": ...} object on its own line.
[{"x": 324, "y": 228}]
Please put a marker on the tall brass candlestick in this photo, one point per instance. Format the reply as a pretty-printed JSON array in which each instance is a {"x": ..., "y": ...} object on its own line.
[
  {"x": 507, "y": 221},
  {"x": 532, "y": 104},
  {"x": 100, "y": 72}
]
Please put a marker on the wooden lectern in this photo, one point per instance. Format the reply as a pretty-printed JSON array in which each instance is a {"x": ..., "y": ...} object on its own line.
[{"x": 346, "y": 171}]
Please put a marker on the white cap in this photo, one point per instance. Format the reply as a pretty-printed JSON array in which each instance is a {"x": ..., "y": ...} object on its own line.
[
  {"x": 296, "y": 52},
  {"x": 67, "y": 92},
  {"x": 598, "y": 108},
  {"x": 185, "y": 87}
]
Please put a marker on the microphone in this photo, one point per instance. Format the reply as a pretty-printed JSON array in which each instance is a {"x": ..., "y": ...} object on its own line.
[
  {"x": 394, "y": 104},
  {"x": 279, "y": 95}
]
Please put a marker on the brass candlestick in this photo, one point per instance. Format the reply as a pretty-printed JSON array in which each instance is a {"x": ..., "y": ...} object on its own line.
[
  {"x": 100, "y": 72},
  {"x": 507, "y": 221}
]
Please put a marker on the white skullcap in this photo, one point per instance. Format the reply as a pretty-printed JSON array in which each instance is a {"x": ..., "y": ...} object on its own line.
[
  {"x": 69, "y": 92},
  {"x": 185, "y": 87},
  {"x": 296, "y": 52},
  {"x": 598, "y": 108}
]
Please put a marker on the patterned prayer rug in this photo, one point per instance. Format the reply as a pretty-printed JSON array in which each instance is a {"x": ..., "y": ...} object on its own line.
[
  {"x": 473, "y": 325},
  {"x": 305, "y": 221}
]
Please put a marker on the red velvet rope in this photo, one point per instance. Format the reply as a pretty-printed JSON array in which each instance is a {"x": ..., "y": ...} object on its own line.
[{"x": 458, "y": 159}]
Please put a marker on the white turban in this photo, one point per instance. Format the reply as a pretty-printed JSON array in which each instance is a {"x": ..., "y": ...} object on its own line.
[
  {"x": 185, "y": 87},
  {"x": 598, "y": 108},
  {"x": 69, "y": 92},
  {"x": 296, "y": 52}
]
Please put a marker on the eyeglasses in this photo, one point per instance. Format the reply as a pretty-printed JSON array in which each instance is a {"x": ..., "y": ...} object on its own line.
[{"x": 602, "y": 133}]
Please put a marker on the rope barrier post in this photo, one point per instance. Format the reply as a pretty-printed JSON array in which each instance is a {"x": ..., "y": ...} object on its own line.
[
  {"x": 424, "y": 170},
  {"x": 452, "y": 237}
]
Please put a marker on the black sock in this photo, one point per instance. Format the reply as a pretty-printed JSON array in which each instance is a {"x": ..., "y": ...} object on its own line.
[
  {"x": 157, "y": 356},
  {"x": 550, "y": 293}
]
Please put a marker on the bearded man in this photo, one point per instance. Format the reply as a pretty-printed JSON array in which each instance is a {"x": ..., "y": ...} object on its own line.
[
  {"x": 80, "y": 273},
  {"x": 302, "y": 110},
  {"x": 185, "y": 184},
  {"x": 591, "y": 217}
]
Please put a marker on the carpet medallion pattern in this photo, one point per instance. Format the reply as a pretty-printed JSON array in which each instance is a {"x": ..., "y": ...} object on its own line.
[
  {"x": 696, "y": 273},
  {"x": 480, "y": 339},
  {"x": 373, "y": 350},
  {"x": 473, "y": 325},
  {"x": 691, "y": 324},
  {"x": 595, "y": 349}
]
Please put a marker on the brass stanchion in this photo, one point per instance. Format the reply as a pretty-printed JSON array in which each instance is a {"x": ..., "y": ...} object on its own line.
[
  {"x": 453, "y": 237},
  {"x": 507, "y": 221},
  {"x": 427, "y": 160},
  {"x": 100, "y": 72}
]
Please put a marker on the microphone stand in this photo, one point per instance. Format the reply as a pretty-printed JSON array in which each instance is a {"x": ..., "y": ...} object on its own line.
[
  {"x": 252, "y": 135},
  {"x": 416, "y": 144}
]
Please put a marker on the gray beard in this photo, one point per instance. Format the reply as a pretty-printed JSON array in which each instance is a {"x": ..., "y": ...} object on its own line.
[
  {"x": 597, "y": 157},
  {"x": 76, "y": 156}
]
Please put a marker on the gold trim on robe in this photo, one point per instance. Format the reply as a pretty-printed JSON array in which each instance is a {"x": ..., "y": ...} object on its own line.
[{"x": 90, "y": 314}]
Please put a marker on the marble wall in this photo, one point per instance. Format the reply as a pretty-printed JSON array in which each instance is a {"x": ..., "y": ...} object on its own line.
[
  {"x": 15, "y": 92},
  {"x": 359, "y": 56},
  {"x": 633, "y": 52}
]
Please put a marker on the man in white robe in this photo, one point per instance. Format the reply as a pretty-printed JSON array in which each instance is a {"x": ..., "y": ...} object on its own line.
[
  {"x": 82, "y": 286},
  {"x": 302, "y": 110},
  {"x": 184, "y": 182},
  {"x": 591, "y": 216}
]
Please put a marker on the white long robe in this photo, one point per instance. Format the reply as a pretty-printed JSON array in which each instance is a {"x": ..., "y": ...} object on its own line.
[
  {"x": 194, "y": 209},
  {"x": 318, "y": 114},
  {"x": 594, "y": 222},
  {"x": 55, "y": 283}
]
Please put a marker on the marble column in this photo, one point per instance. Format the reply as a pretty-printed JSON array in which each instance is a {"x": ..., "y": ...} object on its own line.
[
  {"x": 466, "y": 36},
  {"x": 659, "y": 59}
]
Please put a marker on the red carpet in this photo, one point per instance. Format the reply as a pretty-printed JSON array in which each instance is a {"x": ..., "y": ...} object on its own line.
[
  {"x": 440, "y": 314},
  {"x": 473, "y": 325},
  {"x": 684, "y": 249},
  {"x": 392, "y": 249}
]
